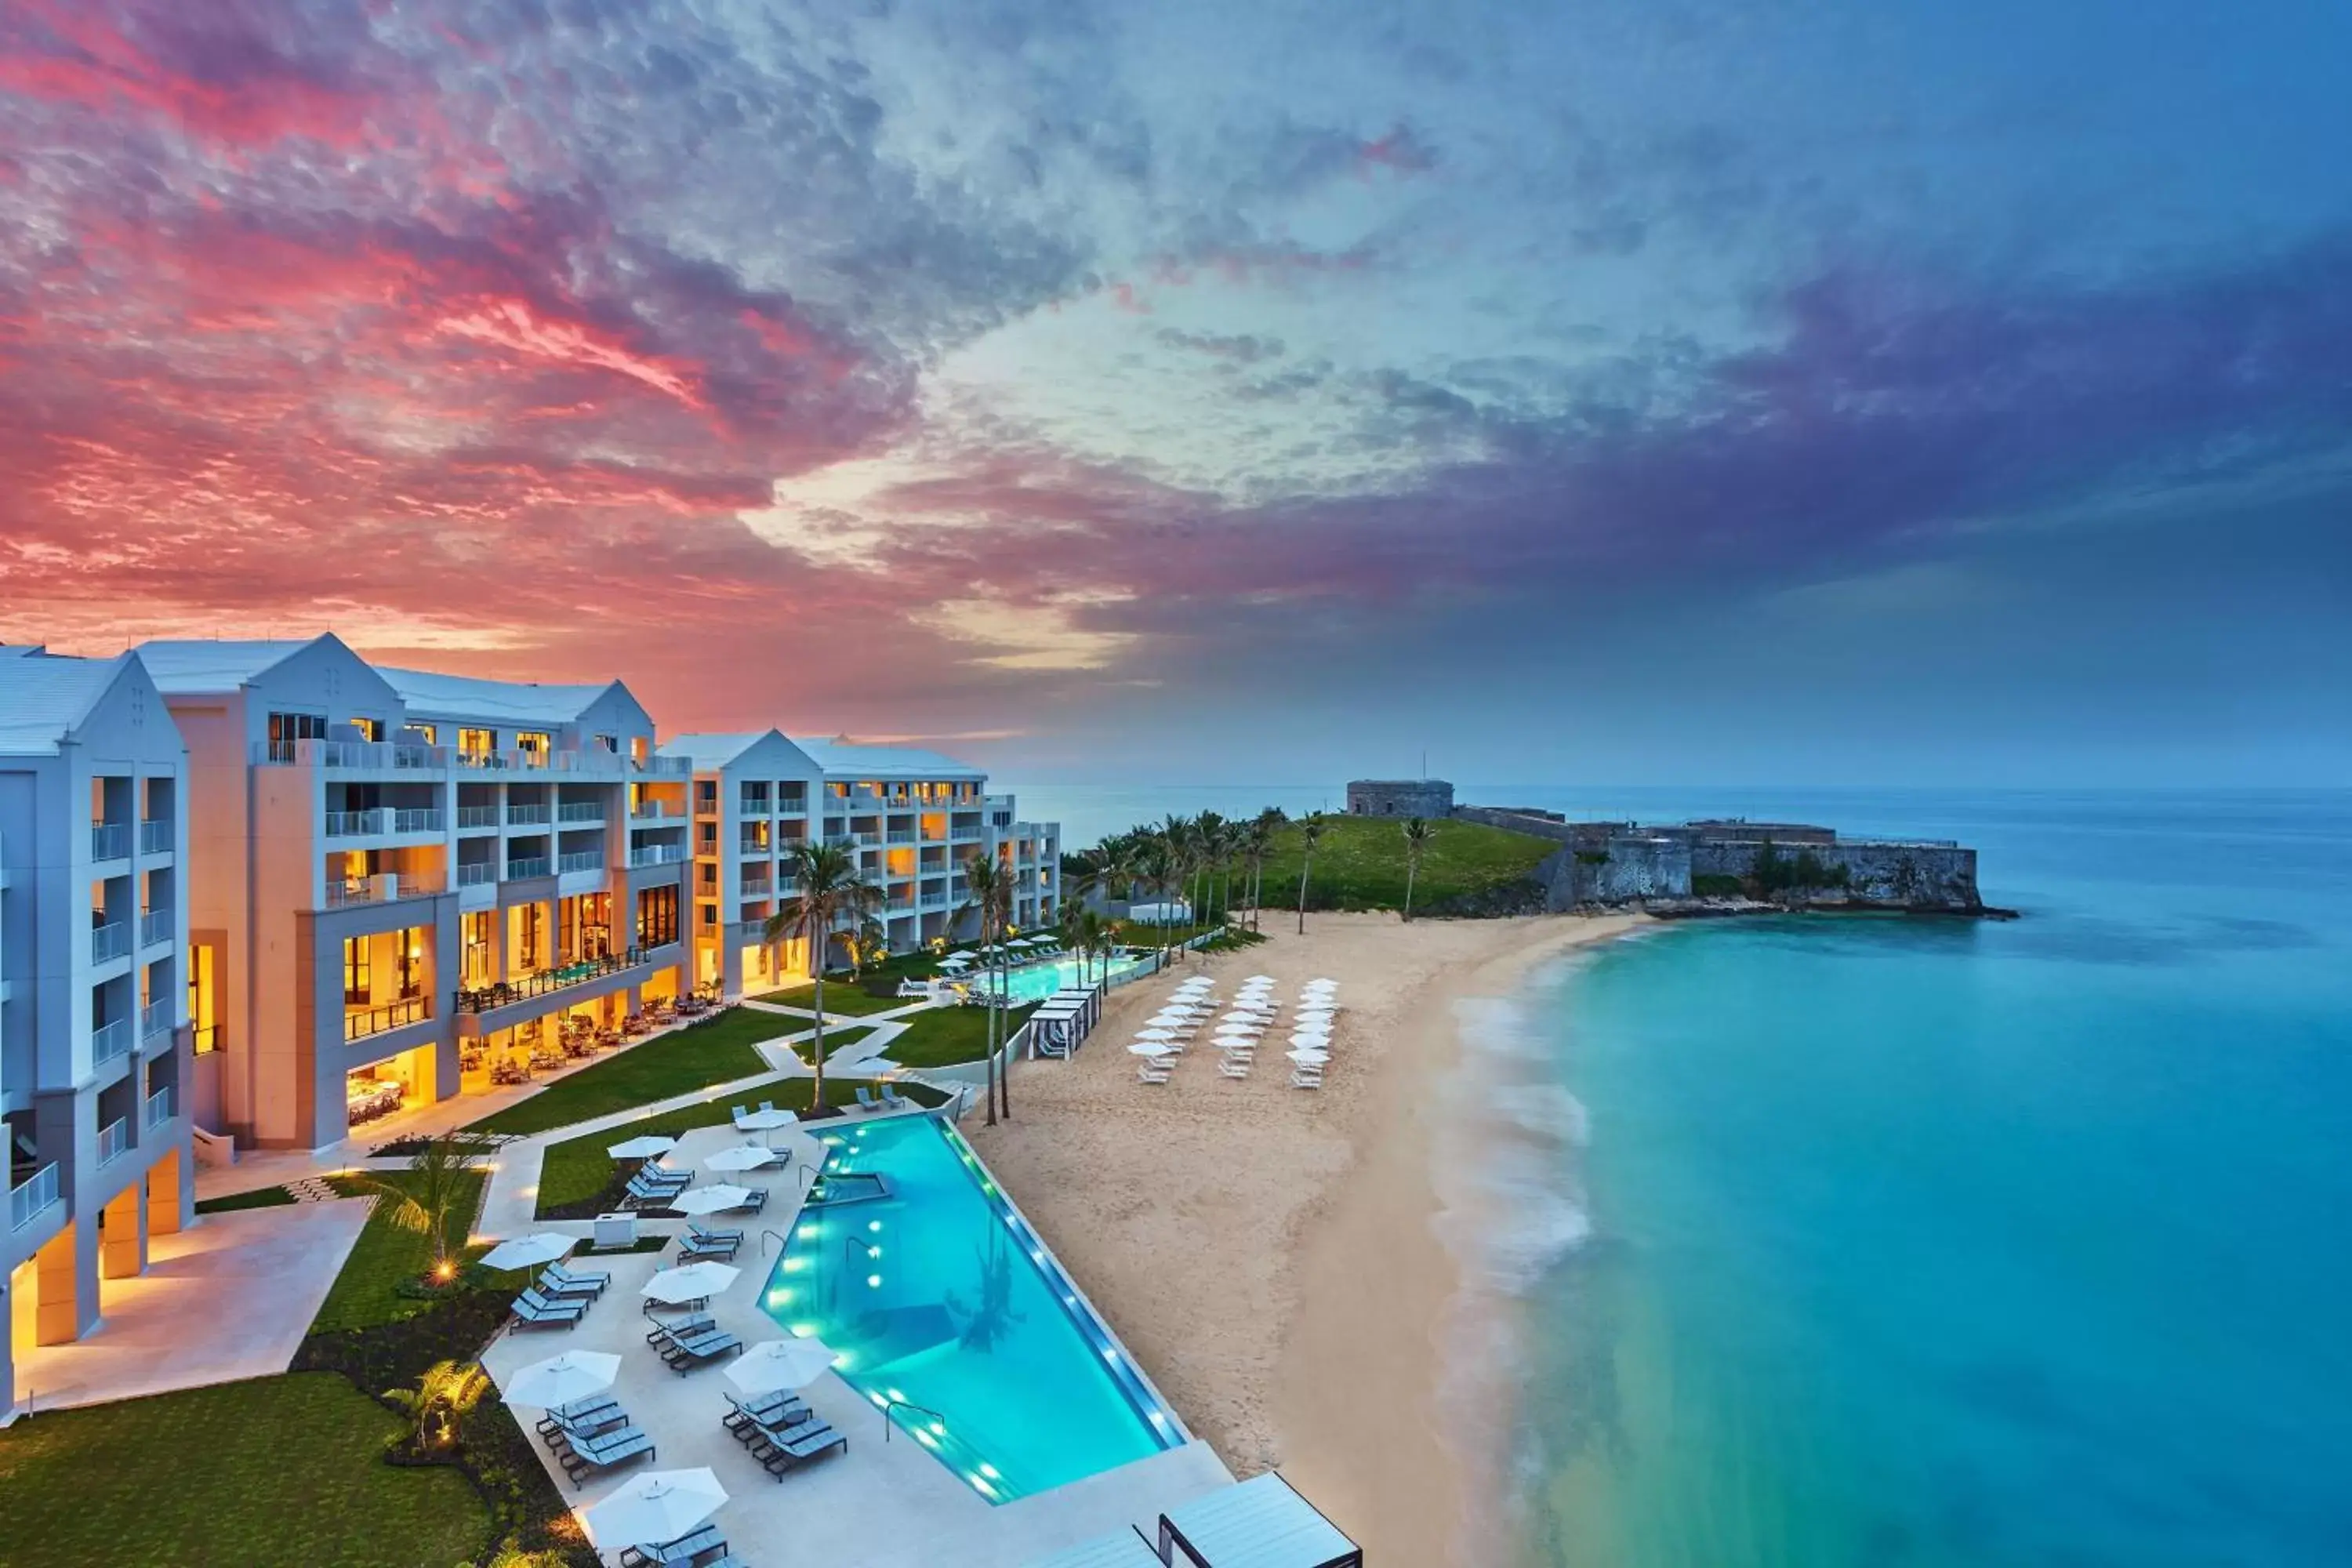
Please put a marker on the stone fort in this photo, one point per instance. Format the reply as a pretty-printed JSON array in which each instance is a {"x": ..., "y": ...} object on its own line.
[{"x": 1400, "y": 797}]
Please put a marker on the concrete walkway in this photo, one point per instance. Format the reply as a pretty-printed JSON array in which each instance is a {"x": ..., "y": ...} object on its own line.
[{"x": 229, "y": 1297}]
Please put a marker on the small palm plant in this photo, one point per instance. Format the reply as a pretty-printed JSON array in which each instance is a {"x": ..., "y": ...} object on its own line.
[
  {"x": 437, "y": 1407},
  {"x": 1310, "y": 833},
  {"x": 830, "y": 892},
  {"x": 424, "y": 1198},
  {"x": 1417, "y": 836}
]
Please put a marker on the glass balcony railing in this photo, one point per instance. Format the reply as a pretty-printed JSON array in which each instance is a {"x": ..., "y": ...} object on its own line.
[
  {"x": 155, "y": 926},
  {"x": 159, "y": 1107},
  {"x": 478, "y": 874},
  {"x": 658, "y": 855},
  {"x": 387, "y": 886},
  {"x": 32, "y": 1197},
  {"x": 655, "y": 810},
  {"x": 581, "y": 811},
  {"x": 154, "y": 1020},
  {"x": 109, "y": 941},
  {"x": 109, "y": 1041},
  {"x": 581, "y": 860},
  {"x": 109, "y": 840},
  {"x": 114, "y": 1141},
  {"x": 535, "y": 866},
  {"x": 505, "y": 992},
  {"x": 155, "y": 838},
  {"x": 526, "y": 815},
  {"x": 359, "y": 1023},
  {"x": 477, "y": 817}
]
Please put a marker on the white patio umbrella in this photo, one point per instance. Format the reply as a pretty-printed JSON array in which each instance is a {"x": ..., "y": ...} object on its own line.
[
  {"x": 653, "y": 1505},
  {"x": 1322, "y": 983},
  {"x": 1151, "y": 1048},
  {"x": 1155, "y": 1033},
  {"x": 1259, "y": 980},
  {"x": 529, "y": 1251},
  {"x": 561, "y": 1379},
  {"x": 1305, "y": 1058},
  {"x": 1312, "y": 1015},
  {"x": 647, "y": 1148},
  {"x": 741, "y": 1157},
  {"x": 691, "y": 1283},
  {"x": 774, "y": 1365},
  {"x": 1311, "y": 1042},
  {"x": 764, "y": 1120},
  {"x": 711, "y": 1200}
]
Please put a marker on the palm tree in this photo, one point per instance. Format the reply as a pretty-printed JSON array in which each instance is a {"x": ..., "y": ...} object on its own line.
[
  {"x": 870, "y": 942},
  {"x": 988, "y": 886},
  {"x": 1209, "y": 849},
  {"x": 1095, "y": 936},
  {"x": 424, "y": 1197},
  {"x": 1257, "y": 839},
  {"x": 828, "y": 891},
  {"x": 1417, "y": 836},
  {"x": 1072, "y": 930},
  {"x": 1311, "y": 832}
]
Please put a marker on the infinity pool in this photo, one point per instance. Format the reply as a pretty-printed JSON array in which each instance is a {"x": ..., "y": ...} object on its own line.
[
  {"x": 1035, "y": 982},
  {"x": 951, "y": 1317}
]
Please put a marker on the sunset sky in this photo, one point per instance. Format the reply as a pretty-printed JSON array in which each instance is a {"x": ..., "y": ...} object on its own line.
[{"x": 1612, "y": 389}]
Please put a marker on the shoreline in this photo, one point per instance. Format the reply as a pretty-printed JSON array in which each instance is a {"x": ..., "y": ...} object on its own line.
[{"x": 1273, "y": 1256}]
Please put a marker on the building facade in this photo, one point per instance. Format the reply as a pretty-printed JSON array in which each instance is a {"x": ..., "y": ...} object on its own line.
[
  {"x": 914, "y": 818},
  {"x": 95, "y": 1051},
  {"x": 401, "y": 882},
  {"x": 1400, "y": 797}
]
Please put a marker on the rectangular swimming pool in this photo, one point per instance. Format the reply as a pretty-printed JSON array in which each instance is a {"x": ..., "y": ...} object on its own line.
[
  {"x": 1035, "y": 982},
  {"x": 954, "y": 1321}
]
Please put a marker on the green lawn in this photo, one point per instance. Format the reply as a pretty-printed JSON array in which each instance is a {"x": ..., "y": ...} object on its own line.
[
  {"x": 365, "y": 1292},
  {"x": 718, "y": 1052},
  {"x": 942, "y": 1036},
  {"x": 279, "y": 1472},
  {"x": 578, "y": 1169},
  {"x": 836, "y": 1038},
  {"x": 1359, "y": 864},
  {"x": 842, "y": 998}
]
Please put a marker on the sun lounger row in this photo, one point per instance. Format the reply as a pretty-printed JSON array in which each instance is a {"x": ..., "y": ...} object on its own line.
[
  {"x": 700, "y": 1245},
  {"x": 539, "y": 1307},
  {"x": 700, "y": 1548},
  {"x": 782, "y": 1436},
  {"x": 884, "y": 1098},
  {"x": 591, "y": 1435},
  {"x": 695, "y": 1342}
]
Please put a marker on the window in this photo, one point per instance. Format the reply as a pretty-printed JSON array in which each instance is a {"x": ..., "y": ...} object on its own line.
[
  {"x": 710, "y": 913},
  {"x": 656, "y": 916},
  {"x": 412, "y": 961},
  {"x": 531, "y": 743},
  {"x": 838, "y": 791},
  {"x": 584, "y": 926},
  {"x": 531, "y": 929},
  {"x": 477, "y": 743},
  {"x": 610, "y": 742},
  {"x": 640, "y": 748},
  {"x": 358, "y": 983},
  {"x": 286, "y": 729},
  {"x": 369, "y": 729},
  {"x": 474, "y": 933},
  {"x": 706, "y": 794},
  {"x": 201, "y": 959},
  {"x": 707, "y": 877},
  {"x": 423, "y": 734}
]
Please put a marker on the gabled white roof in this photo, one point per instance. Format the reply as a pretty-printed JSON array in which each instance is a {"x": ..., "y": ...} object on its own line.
[
  {"x": 841, "y": 759},
  {"x": 432, "y": 694},
  {"x": 197, "y": 666},
  {"x": 768, "y": 752},
  {"x": 43, "y": 698}
]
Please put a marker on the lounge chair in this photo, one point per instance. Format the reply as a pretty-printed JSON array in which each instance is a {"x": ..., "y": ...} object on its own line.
[
  {"x": 587, "y": 1429},
  {"x": 1233, "y": 1070},
  {"x": 737, "y": 1113},
  {"x": 577, "y": 1278},
  {"x": 892, "y": 1097},
  {"x": 552, "y": 1285},
  {"x": 705, "y": 1237},
  {"x": 677, "y": 1553},
  {"x": 1305, "y": 1080},
  {"x": 533, "y": 1310},
  {"x": 779, "y": 1409},
  {"x": 685, "y": 1355},
  {"x": 754, "y": 1204},
  {"x": 866, "y": 1101},
  {"x": 783, "y": 1451},
  {"x": 605, "y": 1450},
  {"x": 1153, "y": 1075},
  {"x": 689, "y": 1250},
  {"x": 700, "y": 1323},
  {"x": 548, "y": 1425}
]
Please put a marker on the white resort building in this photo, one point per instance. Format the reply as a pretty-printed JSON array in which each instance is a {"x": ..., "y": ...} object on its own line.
[
  {"x": 94, "y": 1045},
  {"x": 915, "y": 817}
]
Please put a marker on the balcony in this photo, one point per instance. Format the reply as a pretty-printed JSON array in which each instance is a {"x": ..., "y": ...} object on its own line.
[
  {"x": 159, "y": 1109},
  {"x": 154, "y": 927},
  {"x": 109, "y": 1041},
  {"x": 658, "y": 855},
  {"x": 588, "y": 811},
  {"x": 527, "y": 816},
  {"x": 383, "y": 819},
  {"x": 752, "y": 805},
  {"x": 113, "y": 1140},
  {"x": 506, "y": 992},
  {"x": 155, "y": 1020},
  {"x": 536, "y": 866},
  {"x": 581, "y": 860},
  {"x": 362, "y": 1022},
  {"x": 109, "y": 942},
  {"x": 758, "y": 887},
  {"x": 110, "y": 841},
  {"x": 155, "y": 838},
  {"x": 476, "y": 817},
  {"x": 384, "y": 888},
  {"x": 902, "y": 835},
  {"x": 364, "y": 756},
  {"x": 656, "y": 811},
  {"x": 478, "y": 874},
  {"x": 867, "y": 839},
  {"x": 30, "y": 1199}
]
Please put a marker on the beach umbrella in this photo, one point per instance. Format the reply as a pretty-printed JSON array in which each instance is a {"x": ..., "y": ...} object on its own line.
[
  {"x": 710, "y": 1200},
  {"x": 647, "y": 1148},
  {"x": 1311, "y": 1042},
  {"x": 775, "y": 1366},
  {"x": 561, "y": 1379},
  {"x": 1158, "y": 1035},
  {"x": 1151, "y": 1048},
  {"x": 653, "y": 1505},
  {"x": 693, "y": 1282},
  {"x": 529, "y": 1251},
  {"x": 741, "y": 1157},
  {"x": 1259, "y": 980},
  {"x": 1305, "y": 1057},
  {"x": 764, "y": 1120}
]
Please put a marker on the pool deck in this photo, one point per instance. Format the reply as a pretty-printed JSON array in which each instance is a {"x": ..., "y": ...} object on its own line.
[{"x": 887, "y": 1504}]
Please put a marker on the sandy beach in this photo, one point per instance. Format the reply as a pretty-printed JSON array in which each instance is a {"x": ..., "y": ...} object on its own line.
[{"x": 1268, "y": 1253}]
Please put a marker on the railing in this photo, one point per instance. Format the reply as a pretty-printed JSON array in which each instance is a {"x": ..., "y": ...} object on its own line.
[
  {"x": 658, "y": 855},
  {"x": 477, "y": 817},
  {"x": 478, "y": 873},
  {"x": 581, "y": 860},
  {"x": 655, "y": 810},
  {"x": 759, "y": 886},
  {"x": 384, "y": 888},
  {"x": 359, "y": 1025},
  {"x": 535, "y": 866},
  {"x": 751, "y": 805},
  {"x": 31, "y": 1198},
  {"x": 159, "y": 1107},
  {"x": 354, "y": 754},
  {"x": 354, "y": 824},
  {"x": 526, "y": 815},
  {"x": 156, "y": 1018},
  {"x": 109, "y": 941},
  {"x": 752, "y": 844},
  {"x": 902, "y": 835},
  {"x": 416, "y": 819},
  {"x": 154, "y": 926},
  {"x": 867, "y": 839},
  {"x": 109, "y": 840},
  {"x": 114, "y": 1141},
  {"x": 155, "y": 838},
  {"x": 381, "y": 819},
  {"x": 792, "y": 805},
  {"x": 486, "y": 998},
  {"x": 581, "y": 811}
]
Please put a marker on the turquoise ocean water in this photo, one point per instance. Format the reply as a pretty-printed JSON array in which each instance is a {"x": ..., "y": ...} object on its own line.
[{"x": 1915, "y": 1244}]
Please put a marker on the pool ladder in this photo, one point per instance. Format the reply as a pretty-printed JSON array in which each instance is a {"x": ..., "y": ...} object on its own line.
[{"x": 889, "y": 1406}]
